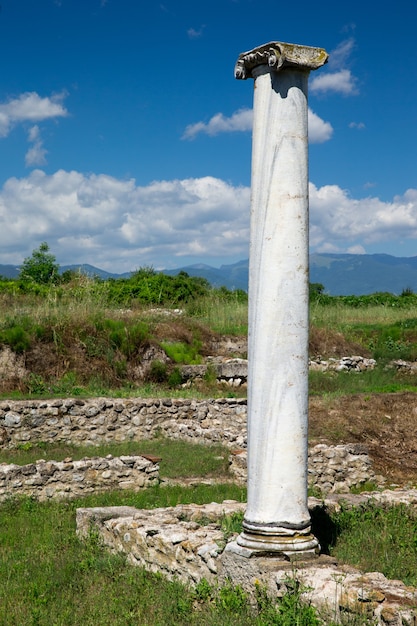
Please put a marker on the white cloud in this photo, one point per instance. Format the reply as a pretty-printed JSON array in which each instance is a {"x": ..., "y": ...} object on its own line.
[
  {"x": 339, "y": 57},
  {"x": 119, "y": 226},
  {"x": 36, "y": 155},
  {"x": 338, "y": 82},
  {"x": 239, "y": 121},
  {"x": 357, "y": 125},
  {"x": 29, "y": 107},
  {"x": 195, "y": 34},
  {"x": 345, "y": 222},
  {"x": 319, "y": 131},
  {"x": 242, "y": 120},
  {"x": 34, "y": 133},
  {"x": 327, "y": 247},
  {"x": 358, "y": 249},
  {"x": 339, "y": 78}
]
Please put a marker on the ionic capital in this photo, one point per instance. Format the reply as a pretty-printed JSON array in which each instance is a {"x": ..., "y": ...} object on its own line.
[{"x": 278, "y": 55}]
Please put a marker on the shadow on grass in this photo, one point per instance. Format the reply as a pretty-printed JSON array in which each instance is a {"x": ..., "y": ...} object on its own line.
[{"x": 324, "y": 528}]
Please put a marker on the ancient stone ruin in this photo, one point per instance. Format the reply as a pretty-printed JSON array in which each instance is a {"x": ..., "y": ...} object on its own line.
[
  {"x": 276, "y": 542},
  {"x": 173, "y": 540}
]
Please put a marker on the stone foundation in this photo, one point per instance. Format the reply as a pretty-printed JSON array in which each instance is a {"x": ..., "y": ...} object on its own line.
[
  {"x": 71, "y": 479},
  {"x": 172, "y": 541},
  {"x": 331, "y": 469},
  {"x": 234, "y": 372},
  {"x": 104, "y": 420},
  {"x": 186, "y": 543}
]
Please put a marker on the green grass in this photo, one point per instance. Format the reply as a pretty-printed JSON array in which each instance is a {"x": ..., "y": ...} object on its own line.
[
  {"x": 83, "y": 314},
  {"x": 378, "y": 380},
  {"x": 338, "y": 315},
  {"x": 165, "y": 496},
  {"x": 69, "y": 388},
  {"x": 387, "y": 333},
  {"x": 181, "y": 352},
  {"x": 370, "y": 537},
  {"x": 179, "y": 458},
  {"x": 226, "y": 317},
  {"x": 386, "y": 341},
  {"x": 373, "y": 538},
  {"x": 50, "y": 577}
]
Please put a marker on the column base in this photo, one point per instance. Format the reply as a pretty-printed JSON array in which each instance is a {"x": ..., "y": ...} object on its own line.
[
  {"x": 289, "y": 543},
  {"x": 289, "y": 547}
]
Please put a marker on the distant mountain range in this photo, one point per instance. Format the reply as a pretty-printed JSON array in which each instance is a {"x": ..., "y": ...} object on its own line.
[
  {"x": 341, "y": 274},
  {"x": 360, "y": 274}
]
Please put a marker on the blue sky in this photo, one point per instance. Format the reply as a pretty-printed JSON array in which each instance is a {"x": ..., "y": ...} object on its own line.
[{"x": 125, "y": 139}]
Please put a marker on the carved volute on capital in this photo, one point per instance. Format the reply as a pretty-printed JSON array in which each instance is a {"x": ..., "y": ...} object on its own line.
[{"x": 278, "y": 55}]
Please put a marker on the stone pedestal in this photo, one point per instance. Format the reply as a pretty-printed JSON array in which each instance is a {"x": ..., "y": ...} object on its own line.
[{"x": 277, "y": 518}]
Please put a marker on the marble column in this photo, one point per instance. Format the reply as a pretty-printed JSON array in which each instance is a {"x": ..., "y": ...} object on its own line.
[{"x": 277, "y": 518}]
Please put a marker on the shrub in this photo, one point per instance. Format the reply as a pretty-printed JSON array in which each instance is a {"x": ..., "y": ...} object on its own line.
[
  {"x": 158, "y": 371},
  {"x": 16, "y": 337},
  {"x": 35, "y": 384},
  {"x": 148, "y": 286},
  {"x": 180, "y": 352},
  {"x": 175, "y": 378}
]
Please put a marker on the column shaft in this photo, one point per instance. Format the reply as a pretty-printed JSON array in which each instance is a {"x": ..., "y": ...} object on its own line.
[
  {"x": 278, "y": 311},
  {"x": 277, "y": 518}
]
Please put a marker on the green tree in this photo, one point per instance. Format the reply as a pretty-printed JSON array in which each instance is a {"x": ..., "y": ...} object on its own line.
[
  {"x": 316, "y": 290},
  {"x": 41, "y": 267}
]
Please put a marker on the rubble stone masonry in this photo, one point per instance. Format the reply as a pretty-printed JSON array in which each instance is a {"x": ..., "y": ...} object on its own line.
[{"x": 104, "y": 420}]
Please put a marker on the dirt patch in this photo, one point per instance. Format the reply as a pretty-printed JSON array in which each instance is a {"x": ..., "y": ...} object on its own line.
[
  {"x": 322, "y": 342},
  {"x": 386, "y": 423},
  {"x": 329, "y": 343}
]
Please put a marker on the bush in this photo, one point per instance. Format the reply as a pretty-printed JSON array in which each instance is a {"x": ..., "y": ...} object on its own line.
[
  {"x": 158, "y": 372},
  {"x": 180, "y": 352},
  {"x": 175, "y": 378},
  {"x": 126, "y": 337},
  {"x": 150, "y": 287},
  {"x": 17, "y": 338}
]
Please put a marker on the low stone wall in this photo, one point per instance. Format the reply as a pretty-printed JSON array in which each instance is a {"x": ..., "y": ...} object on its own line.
[
  {"x": 103, "y": 420},
  {"x": 405, "y": 367},
  {"x": 345, "y": 364},
  {"x": 165, "y": 539},
  {"x": 69, "y": 479},
  {"x": 234, "y": 372},
  {"x": 98, "y": 421},
  {"x": 331, "y": 469},
  {"x": 173, "y": 542},
  {"x": 229, "y": 372}
]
